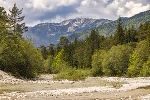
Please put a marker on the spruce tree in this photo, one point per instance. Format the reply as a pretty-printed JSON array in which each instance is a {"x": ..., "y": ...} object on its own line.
[
  {"x": 51, "y": 50},
  {"x": 92, "y": 43},
  {"x": 133, "y": 34},
  {"x": 15, "y": 21},
  {"x": 44, "y": 52},
  {"x": 119, "y": 35},
  {"x": 3, "y": 19}
]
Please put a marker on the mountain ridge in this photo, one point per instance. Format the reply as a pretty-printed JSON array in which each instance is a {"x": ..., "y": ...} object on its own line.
[
  {"x": 46, "y": 33},
  {"x": 110, "y": 28}
]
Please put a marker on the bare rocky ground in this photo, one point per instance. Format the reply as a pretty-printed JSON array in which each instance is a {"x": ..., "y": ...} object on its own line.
[{"x": 45, "y": 88}]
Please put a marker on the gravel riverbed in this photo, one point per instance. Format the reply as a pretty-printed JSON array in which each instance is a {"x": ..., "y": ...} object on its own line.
[{"x": 72, "y": 88}]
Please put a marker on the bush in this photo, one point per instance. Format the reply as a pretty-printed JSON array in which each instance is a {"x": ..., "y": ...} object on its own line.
[
  {"x": 48, "y": 64},
  {"x": 146, "y": 69},
  {"x": 73, "y": 74},
  {"x": 97, "y": 58},
  {"x": 20, "y": 58},
  {"x": 138, "y": 58},
  {"x": 115, "y": 62},
  {"x": 59, "y": 64}
]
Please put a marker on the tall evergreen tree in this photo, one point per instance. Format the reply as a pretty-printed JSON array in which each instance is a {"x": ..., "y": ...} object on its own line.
[
  {"x": 92, "y": 43},
  {"x": 67, "y": 47},
  {"x": 133, "y": 34},
  {"x": 16, "y": 19},
  {"x": 51, "y": 50},
  {"x": 44, "y": 52},
  {"x": 119, "y": 35},
  {"x": 143, "y": 31},
  {"x": 93, "y": 40},
  {"x": 3, "y": 19}
]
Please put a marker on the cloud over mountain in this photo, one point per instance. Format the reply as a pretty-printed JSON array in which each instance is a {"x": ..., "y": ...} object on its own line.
[{"x": 38, "y": 11}]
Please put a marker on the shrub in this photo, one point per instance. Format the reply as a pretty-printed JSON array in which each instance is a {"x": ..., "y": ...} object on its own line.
[
  {"x": 138, "y": 58},
  {"x": 146, "y": 69},
  {"x": 48, "y": 64},
  {"x": 97, "y": 59},
  {"x": 115, "y": 62},
  {"x": 20, "y": 58},
  {"x": 73, "y": 74},
  {"x": 59, "y": 64}
]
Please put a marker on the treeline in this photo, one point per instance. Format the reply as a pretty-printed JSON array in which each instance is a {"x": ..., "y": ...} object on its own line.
[{"x": 126, "y": 53}]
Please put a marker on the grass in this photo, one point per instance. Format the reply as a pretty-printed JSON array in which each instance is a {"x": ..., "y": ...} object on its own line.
[
  {"x": 73, "y": 74},
  {"x": 116, "y": 84},
  {"x": 145, "y": 87}
]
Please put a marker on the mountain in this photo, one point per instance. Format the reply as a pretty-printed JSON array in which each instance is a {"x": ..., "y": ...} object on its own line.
[
  {"x": 46, "y": 33},
  {"x": 109, "y": 28}
]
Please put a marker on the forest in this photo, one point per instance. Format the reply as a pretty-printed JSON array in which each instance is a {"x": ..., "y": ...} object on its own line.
[{"x": 126, "y": 53}]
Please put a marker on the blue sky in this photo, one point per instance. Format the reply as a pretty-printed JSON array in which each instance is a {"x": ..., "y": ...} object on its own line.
[{"x": 40, "y": 11}]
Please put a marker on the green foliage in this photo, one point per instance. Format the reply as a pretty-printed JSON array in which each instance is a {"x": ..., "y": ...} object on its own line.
[
  {"x": 97, "y": 58},
  {"x": 78, "y": 56},
  {"x": 51, "y": 50},
  {"x": 15, "y": 19},
  {"x": 59, "y": 64},
  {"x": 107, "y": 43},
  {"x": 73, "y": 74},
  {"x": 92, "y": 43},
  {"x": 115, "y": 62},
  {"x": 44, "y": 52},
  {"x": 119, "y": 34},
  {"x": 146, "y": 68},
  {"x": 130, "y": 35},
  {"x": 143, "y": 31},
  {"x": 20, "y": 58},
  {"x": 138, "y": 58},
  {"x": 48, "y": 64},
  {"x": 3, "y": 20},
  {"x": 17, "y": 55}
]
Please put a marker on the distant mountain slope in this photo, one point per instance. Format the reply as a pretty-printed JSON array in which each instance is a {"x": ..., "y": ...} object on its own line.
[
  {"x": 109, "y": 28},
  {"x": 46, "y": 33}
]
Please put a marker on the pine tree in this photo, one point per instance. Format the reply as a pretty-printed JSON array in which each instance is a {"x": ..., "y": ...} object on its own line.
[
  {"x": 3, "y": 19},
  {"x": 3, "y": 23},
  {"x": 51, "y": 50},
  {"x": 92, "y": 43},
  {"x": 64, "y": 41},
  {"x": 133, "y": 34},
  {"x": 93, "y": 40},
  {"x": 148, "y": 36},
  {"x": 44, "y": 52},
  {"x": 119, "y": 35},
  {"x": 16, "y": 19},
  {"x": 143, "y": 31}
]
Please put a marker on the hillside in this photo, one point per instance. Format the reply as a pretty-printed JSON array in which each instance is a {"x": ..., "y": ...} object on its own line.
[
  {"x": 45, "y": 33},
  {"x": 109, "y": 28}
]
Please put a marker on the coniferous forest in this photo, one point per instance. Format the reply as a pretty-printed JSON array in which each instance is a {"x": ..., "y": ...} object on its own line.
[{"x": 125, "y": 53}]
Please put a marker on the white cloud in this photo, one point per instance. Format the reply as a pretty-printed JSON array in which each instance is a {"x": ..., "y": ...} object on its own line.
[
  {"x": 103, "y": 9},
  {"x": 38, "y": 11},
  {"x": 134, "y": 8},
  {"x": 49, "y": 5}
]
